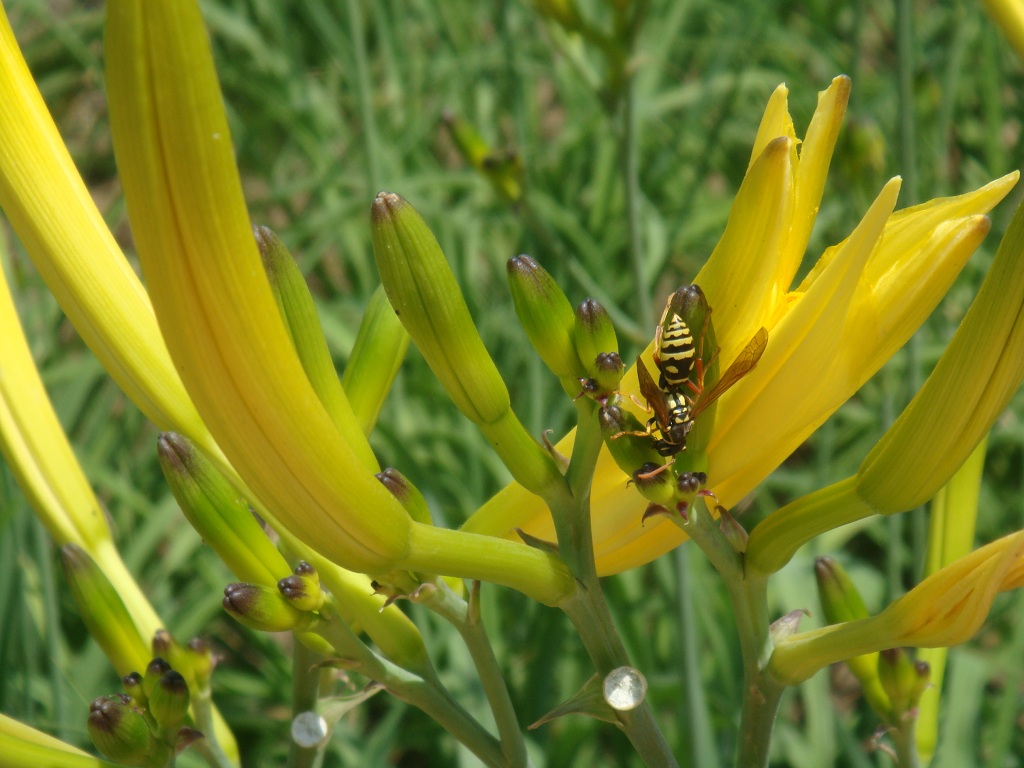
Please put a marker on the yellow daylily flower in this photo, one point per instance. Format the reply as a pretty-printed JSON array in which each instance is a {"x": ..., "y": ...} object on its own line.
[
  {"x": 857, "y": 306},
  {"x": 945, "y": 609}
]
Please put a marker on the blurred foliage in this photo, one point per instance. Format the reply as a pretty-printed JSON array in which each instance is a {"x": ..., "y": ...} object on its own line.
[{"x": 331, "y": 102}]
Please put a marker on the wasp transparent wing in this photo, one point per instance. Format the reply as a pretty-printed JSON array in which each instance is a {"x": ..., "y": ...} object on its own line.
[{"x": 741, "y": 366}]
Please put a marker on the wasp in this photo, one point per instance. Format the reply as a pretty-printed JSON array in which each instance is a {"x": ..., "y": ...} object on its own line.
[
  {"x": 674, "y": 410},
  {"x": 674, "y": 353}
]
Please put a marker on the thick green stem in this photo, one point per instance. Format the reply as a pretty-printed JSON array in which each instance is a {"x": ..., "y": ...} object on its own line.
[
  {"x": 905, "y": 744},
  {"x": 760, "y": 706},
  {"x": 586, "y": 608},
  {"x": 748, "y": 590}
]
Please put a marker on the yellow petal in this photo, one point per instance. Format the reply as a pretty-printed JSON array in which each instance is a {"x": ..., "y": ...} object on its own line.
[
  {"x": 57, "y": 222},
  {"x": 212, "y": 297},
  {"x": 945, "y": 609}
]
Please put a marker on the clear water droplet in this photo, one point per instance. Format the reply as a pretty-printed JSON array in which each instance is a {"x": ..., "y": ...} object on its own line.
[
  {"x": 625, "y": 688},
  {"x": 309, "y": 730}
]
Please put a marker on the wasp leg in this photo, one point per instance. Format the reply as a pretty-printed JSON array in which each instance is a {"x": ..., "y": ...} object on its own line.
[{"x": 654, "y": 472}]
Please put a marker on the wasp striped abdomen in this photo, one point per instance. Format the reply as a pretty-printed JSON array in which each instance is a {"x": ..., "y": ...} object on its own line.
[{"x": 675, "y": 354}]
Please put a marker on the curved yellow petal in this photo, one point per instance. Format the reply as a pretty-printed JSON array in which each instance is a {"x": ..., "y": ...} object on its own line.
[
  {"x": 212, "y": 297},
  {"x": 57, "y": 222}
]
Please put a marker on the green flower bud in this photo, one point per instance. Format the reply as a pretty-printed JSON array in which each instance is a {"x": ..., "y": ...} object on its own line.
[
  {"x": 200, "y": 661},
  {"x": 156, "y": 669},
  {"x": 503, "y": 170},
  {"x": 163, "y": 644},
  {"x": 629, "y": 449},
  {"x": 302, "y": 589},
  {"x": 169, "y": 701},
  {"x": 102, "y": 610},
  {"x": 213, "y": 507},
  {"x": 407, "y": 494},
  {"x": 378, "y": 352},
  {"x": 608, "y": 370},
  {"x": 426, "y": 296},
  {"x": 546, "y": 315},
  {"x": 656, "y": 483},
  {"x": 841, "y": 602},
  {"x": 902, "y": 681},
  {"x": 303, "y": 324},
  {"x": 429, "y": 302},
  {"x": 593, "y": 334},
  {"x": 262, "y": 608},
  {"x": 120, "y": 731},
  {"x": 132, "y": 683}
]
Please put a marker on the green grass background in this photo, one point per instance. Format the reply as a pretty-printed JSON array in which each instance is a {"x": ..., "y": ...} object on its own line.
[{"x": 331, "y": 102}]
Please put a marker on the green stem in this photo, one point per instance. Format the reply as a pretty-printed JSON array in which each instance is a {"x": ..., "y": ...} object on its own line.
[
  {"x": 306, "y": 673},
  {"x": 760, "y": 706},
  {"x": 428, "y": 695},
  {"x": 748, "y": 591},
  {"x": 208, "y": 746},
  {"x": 586, "y": 608},
  {"x": 466, "y": 620},
  {"x": 905, "y": 745}
]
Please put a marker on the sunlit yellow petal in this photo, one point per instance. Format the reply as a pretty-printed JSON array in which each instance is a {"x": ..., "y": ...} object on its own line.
[
  {"x": 742, "y": 279},
  {"x": 212, "y": 297},
  {"x": 57, "y": 222}
]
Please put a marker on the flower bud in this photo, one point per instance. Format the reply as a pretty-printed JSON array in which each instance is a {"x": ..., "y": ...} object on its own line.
[
  {"x": 302, "y": 322},
  {"x": 656, "y": 483},
  {"x": 903, "y": 681},
  {"x": 607, "y": 370},
  {"x": 593, "y": 334},
  {"x": 629, "y": 449},
  {"x": 302, "y": 589},
  {"x": 169, "y": 701},
  {"x": 408, "y": 495},
  {"x": 429, "y": 302},
  {"x": 426, "y": 296},
  {"x": 156, "y": 669},
  {"x": 504, "y": 170},
  {"x": 102, "y": 610},
  {"x": 377, "y": 354},
  {"x": 200, "y": 660},
  {"x": 213, "y": 507},
  {"x": 546, "y": 315},
  {"x": 262, "y": 608},
  {"x": 840, "y": 600},
  {"x": 120, "y": 731},
  {"x": 132, "y": 683}
]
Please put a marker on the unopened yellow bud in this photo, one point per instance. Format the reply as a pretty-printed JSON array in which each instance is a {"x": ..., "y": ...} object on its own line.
[{"x": 263, "y": 608}]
